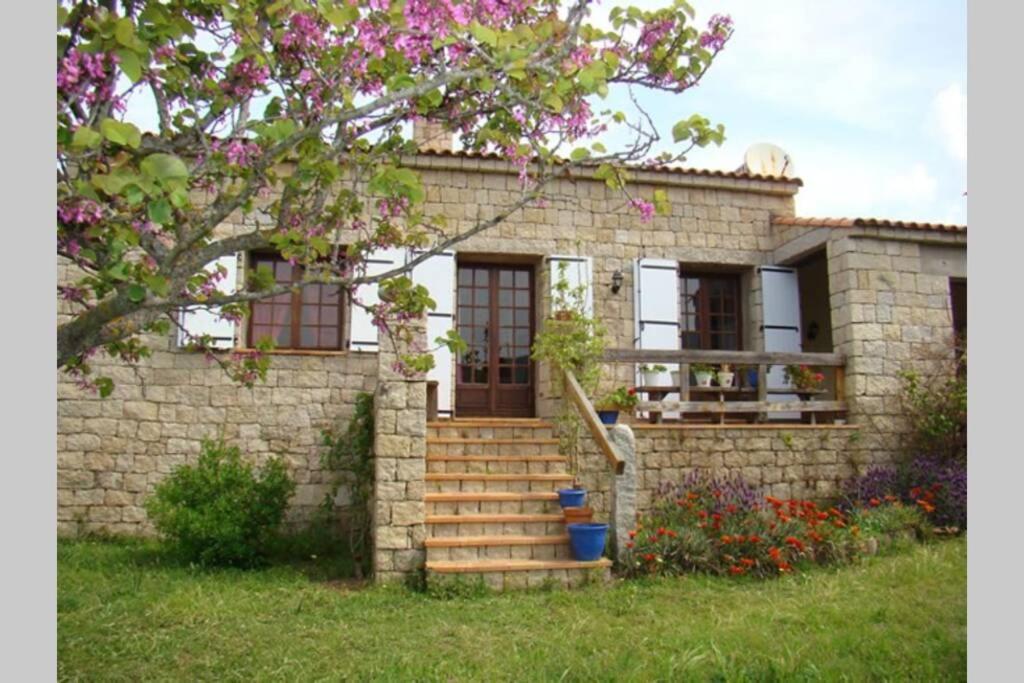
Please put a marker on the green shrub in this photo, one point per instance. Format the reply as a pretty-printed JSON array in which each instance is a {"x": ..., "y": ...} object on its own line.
[
  {"x": 935, "y": 405},
  {"x": 221, "y": 511},
  {"x": 891, "y": 519}
]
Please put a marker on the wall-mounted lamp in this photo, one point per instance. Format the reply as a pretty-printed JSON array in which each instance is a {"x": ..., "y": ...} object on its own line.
[{"x": 616, "y": 281}]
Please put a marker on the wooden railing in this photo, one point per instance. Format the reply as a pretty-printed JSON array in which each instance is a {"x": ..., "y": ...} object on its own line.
[
  {"x": 733, "y": 400},
  {"x": 574, "y": 392}
]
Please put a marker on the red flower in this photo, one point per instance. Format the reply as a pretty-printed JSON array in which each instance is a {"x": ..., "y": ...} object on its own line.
[
  {"x": 730, "y": 508},
  {"x": 717, "y": 517},
  {"x": 754, "y": 539},
  {"x": 738, "y": 539},
  {"x": 875, "y": 502},
  {"x": 671, "y": 533},
  {"x": 795, "y": 542},
  {"x": 716, "y": 493},
  {"x": 774, "y": 553},
  {"x": 649, "y": 557},
  {"x": 735, "y": 571},
  {"x": 928, "y": 507},
  {"x": 632, "y": 534},
  {"x": 702, "y": 514},
  {"x": 915, "y": 492},
  {"x": 632, "y": 391},
  {"x": 747, "y": 561},
  {"x": 726, "y": 540},
  {"x": 630, "y": 544},
  {"x": 661, "y": 531},
  {"x": 773, "y": 501},
  {"x": 784, "y": 567}
]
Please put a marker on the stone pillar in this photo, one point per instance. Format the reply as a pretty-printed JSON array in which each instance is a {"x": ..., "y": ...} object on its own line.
[
  {"x": 623, "y": 515},
  {"x": 400, "y": 430}
]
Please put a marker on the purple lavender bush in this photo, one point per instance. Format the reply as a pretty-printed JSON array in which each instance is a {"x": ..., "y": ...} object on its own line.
[
  {"x": 946, "y": 479},
  {"x": 720, "y": 492}
]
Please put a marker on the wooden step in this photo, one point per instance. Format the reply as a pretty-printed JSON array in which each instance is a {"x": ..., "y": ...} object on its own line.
[
  {"x": 466, "y": 541},
  {"x": 532, "y": 423},
  {"x": 479, "y": 566},
  {"x": 500, "y": 442},
  {"x": 440, "y": 457},
  {"x": 478, "y": 476},
  {"x": 494, "y": 519},
  {"x": 487, "y": 496}
]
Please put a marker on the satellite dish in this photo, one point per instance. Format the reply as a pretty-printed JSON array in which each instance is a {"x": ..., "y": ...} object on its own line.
[{"x": 769, "y": 160}]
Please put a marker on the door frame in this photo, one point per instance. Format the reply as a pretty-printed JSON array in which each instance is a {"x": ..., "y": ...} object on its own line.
[{"x": 494, "y": 263}]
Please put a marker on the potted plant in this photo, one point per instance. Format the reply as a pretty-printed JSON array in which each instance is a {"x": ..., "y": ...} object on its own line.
[
  {"x": 675, "y": 377},
  {"x": 805, "y": 380},
  {"x": 652, "y": 374},
  {"x": 725, "y": 375},
  {"x": 608, "y": 407},
  {"x": 587, "y": 540},
  {"x": 578, "y": 515},
  {"x": 752, "y": 378},
  {"x": 572, "y": 497},
  {"x": 702, "y": 374}
]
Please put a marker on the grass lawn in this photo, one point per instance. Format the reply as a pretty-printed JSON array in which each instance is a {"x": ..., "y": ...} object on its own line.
[{"x": 127, "y": 613}]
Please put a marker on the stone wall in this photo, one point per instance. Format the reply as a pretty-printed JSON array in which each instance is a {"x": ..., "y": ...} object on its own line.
[
  {"x": 112, "y": 451},
  {"x": 400, "y": 451},
  {"x": 891, "y": 312},
  {"x": 792, "y": 461}
]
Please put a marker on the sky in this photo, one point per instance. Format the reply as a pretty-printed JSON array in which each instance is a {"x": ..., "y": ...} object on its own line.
[{"x": 869, "y": 98}]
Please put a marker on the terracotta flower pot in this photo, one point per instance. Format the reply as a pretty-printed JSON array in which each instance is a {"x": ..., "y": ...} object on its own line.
[{"x": 578, "y": 515}]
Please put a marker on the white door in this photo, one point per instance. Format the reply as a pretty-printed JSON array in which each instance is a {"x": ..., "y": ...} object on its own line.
[
  {"x": 781, "y": 296},
  {"x": 656, "y": 312},
  {"x": 437, "y": 274}
]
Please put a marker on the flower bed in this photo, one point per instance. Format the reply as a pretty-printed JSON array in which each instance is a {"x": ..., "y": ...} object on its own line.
[
  {"x": 724, "y": 527},
  {"x": 936, "y": 486}
]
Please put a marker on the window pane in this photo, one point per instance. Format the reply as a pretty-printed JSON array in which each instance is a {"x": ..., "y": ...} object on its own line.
[
  {"x": 465, "y": 296},
  {"x": 522, "y": 374},
  {"x": 283, "y": 271},
  {"x": 522, "y": 318},
  {"x": 480, "y": 278},
  {"x": 329, "y": 338},
  {"x": 262, "y": 313},
  {"x": 504, "y": 375},
  {"x": 330, "y": 294},
  {"x": 309, "y": 337},
  {"x": 310, "y": 315},
  {"x": 481, "y": 375},
  {"x": 522, "y": 297},
  {"x": 505, "y": 297},
  {"x": 522, "y": 278},
  {"x": 311, "y": 294},
  {"x": 329, "y": 315},
  {"x": 505, "y": 278},
  {"x": 480, "y": 297},
  {"x": 465, "y": 276}
]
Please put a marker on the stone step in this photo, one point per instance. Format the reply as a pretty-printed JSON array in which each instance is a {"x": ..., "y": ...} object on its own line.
[
  {"x": 497, "y": 464},
  {"x": 514, "y": 574},
  {"x": 493, "y": 519},
  {"x": 467, "y": 541},
  {"x": 491, "y": 502},
  {"x": 492, "y": 422},
  {"x": 448, "y": 526},
  {"x": 474, "y": 481},
  {"x": 520, "y": 551},
  {"x": 440, "y": 457},
  {"x": 492, "y": 446}
]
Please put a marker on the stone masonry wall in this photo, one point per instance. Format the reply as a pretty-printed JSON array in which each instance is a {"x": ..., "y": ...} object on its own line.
[
  {"x": 400, "y": 451},
  {"x": 891, "y": 312},
  {"x": 111, "y": 452},
  {"x": 795, "y": 461}
]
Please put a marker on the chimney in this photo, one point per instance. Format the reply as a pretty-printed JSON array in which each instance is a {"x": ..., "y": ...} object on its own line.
[{"x": 431, "y": 136}]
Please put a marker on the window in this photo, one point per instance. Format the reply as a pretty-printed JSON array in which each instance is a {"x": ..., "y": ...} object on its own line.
[
  {"x": 709, "y": 311},
  {"x": 309, "y": 318}
]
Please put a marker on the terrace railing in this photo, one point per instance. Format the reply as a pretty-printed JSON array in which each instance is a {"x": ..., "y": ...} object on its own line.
[{"x": 743, "y": 399}]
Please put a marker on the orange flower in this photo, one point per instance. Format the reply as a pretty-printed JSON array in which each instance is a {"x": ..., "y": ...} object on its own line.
[
  {"x": 773, "y": 501},
  {"x": 671, "y": 533},
  {"x": 754, "y": 539},
  {"x": 822, "y": 515},
  {"x": 738, "y": 539},
  {"x": 735, "y": 571},
  {"x": 774, "y": 553},
  {"x": 890, "y": 498},
  {"x": 784, "y": 567},
  {"x": 928, "y": 507},
  {"x": 649, "y": 557},
  {"x": 632, "y": 534},
  {"x": 915, "y": 492},
  {"x": 661, "y": 531},
  {"x": 630, "y": 544},
  {"x": 747, "y": 561},
  {"x": 795, "y": 542},
  {"x": 726, "y": 540},
  {"x": 875, "y": 502},
  {"x": 692, "y": 495},
  {"x": 702, "y": 514}
]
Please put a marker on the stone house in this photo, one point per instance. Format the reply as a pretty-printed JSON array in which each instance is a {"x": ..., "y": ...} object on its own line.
[{"x": 732, "y": 275}]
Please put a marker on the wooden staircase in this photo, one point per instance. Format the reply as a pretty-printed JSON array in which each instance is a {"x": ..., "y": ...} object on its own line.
[{"x": 492, "y": 506}]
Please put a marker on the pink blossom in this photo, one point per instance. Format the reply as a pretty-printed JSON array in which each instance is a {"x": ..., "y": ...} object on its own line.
[
  {"x": 79, "y": 212},
  {"x": 245, "y": 78},
  {"x": 645, "y": 208},
  {"x": 719, "y": 31}
]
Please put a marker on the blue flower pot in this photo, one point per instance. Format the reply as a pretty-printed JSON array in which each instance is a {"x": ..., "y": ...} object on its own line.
[
  {"x": 752, "y": 378},
  {"x": 587, "y": 541},
  {"x": 572, "y": 498},
  {"x": 608, "y": 417}
]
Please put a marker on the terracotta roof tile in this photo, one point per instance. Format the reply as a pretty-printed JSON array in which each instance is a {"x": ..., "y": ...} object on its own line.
[
  {"x": 864, "y": 223},
  {"x": 734, "y": 175}
]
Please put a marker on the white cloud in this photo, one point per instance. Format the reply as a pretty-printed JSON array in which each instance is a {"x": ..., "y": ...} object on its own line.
[{"x": 949, "y": 116}]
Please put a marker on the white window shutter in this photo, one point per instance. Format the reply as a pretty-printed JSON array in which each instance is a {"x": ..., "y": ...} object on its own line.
[
  {"x": 579, "y": 271},
  {"x": 656, "y": 311},
  {"x": 437, "y": 274},
  {"x": 362, "y": 332},
  {"x": 199, "y": 321},
  {"x": 780, "y": 294}
]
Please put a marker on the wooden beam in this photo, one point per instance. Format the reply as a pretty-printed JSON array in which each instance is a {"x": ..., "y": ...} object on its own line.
[
  {"x": 594, "y": 424},
  {"x": 742, "y": 358},
  {"x": 715, "y": 407}
]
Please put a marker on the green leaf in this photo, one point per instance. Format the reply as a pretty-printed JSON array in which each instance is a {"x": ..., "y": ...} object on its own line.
[
  {"x": 124, "y": 32},
  {"x": 164, "y": 167},
  {"x": 130, "y": 65},
  {"x": 579, "y": 154},
  {"x": 105, "y": 386},
  {"x": 598, "y": 147},
  {"x": 158, "y": 284},
  {"x": 681, "y": 131},
  {"x": 483, "y": 34},
  {"x": 86, "y": 137},
  {"x": 554, "y": 101},
  {"x": 159, "y": 211},
  {"x": 136, "y": 292},
  {"x": 121, "y": 133},
  {"x": 340, "y": 16}
]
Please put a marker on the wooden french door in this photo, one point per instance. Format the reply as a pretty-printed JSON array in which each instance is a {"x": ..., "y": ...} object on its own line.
[{"x": 495, "y": 313}]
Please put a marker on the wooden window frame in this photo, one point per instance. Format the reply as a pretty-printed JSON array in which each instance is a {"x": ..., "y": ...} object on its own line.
[
  {"x": 295, "y": 343},
  {"x": 703, "y": 309}
]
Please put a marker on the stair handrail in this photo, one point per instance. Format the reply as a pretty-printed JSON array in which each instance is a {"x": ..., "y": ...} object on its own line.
[{"x": 597, "y": 429}]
